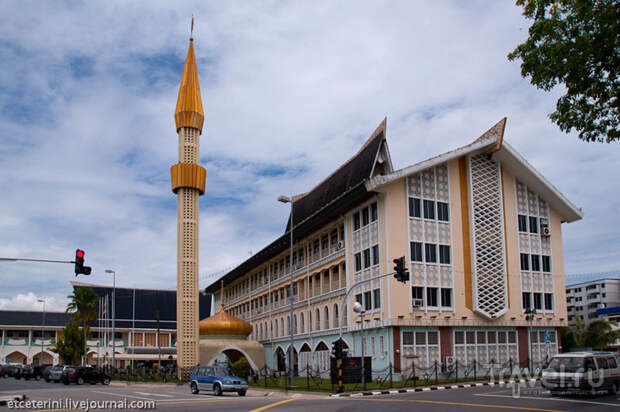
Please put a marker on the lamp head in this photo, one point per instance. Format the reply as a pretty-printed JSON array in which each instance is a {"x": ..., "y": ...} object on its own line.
[
  {"x": 357, "y": 307},
  {"x": 284, "y": 199},
  {"x": 109, "y": 271}
]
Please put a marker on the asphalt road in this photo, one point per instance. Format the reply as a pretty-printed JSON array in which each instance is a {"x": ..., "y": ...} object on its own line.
[{"x": 178, "y": 398}]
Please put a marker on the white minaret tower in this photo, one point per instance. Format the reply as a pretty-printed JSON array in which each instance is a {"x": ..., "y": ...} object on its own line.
[{"x": 188, "y": 182}]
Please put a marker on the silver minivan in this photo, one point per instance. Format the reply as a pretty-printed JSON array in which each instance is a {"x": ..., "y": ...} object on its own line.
[{"x": 582, "y": 373}]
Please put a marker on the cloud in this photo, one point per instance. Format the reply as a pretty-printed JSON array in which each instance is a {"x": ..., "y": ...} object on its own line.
[
  {"x": 30, "y": 301},
  {"x": 290, "y": 91}
]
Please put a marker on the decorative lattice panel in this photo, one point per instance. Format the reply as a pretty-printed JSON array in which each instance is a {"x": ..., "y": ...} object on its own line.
[{"x": 487, "y": 237}]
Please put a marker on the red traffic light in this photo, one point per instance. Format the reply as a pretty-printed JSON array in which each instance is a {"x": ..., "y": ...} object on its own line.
[{"x": 79, "y": 254}]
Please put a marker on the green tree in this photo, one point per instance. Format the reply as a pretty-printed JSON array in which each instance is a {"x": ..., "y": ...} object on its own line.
[
  {"x": 83, "y": 305},
  {"x": 576, "y": 43},
  {"x": 598, "y": 334},
  {"x": 240, "y": 368},
  {"x": 70, "y": 346}
]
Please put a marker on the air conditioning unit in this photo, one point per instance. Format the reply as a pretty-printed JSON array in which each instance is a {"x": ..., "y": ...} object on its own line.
[
  {"x": 340, "y": 245},
  {"x": 449, "y": 362},
  {"x": 545, "y": 230},
  {"x": 417, "y": 303}
]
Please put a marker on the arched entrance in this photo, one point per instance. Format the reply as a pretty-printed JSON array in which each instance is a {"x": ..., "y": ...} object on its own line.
[
  {"x": 322, "y": 357},
  {"x": 280, "y": 360},
  {"x": 46, "y": 359},
  {"x": 16, "y": 357},
  {"x": 295, "y": 360},
  {"x": 233, "y": 354},
  {"x": 305, "y": 358}
]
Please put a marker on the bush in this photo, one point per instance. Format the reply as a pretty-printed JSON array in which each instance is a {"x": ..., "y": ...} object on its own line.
[{"x": 240, "y": 368}]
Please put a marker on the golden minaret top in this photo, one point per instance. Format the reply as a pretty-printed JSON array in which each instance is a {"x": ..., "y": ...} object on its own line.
[{"x": 188, "y": 112}]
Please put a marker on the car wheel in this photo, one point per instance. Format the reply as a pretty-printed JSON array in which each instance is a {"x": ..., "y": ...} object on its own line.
[
  {"x": 80, "y": 381},
  {"x": 106, "y": 381},
  {"x": 65, "y": 382},
  {"x": 241, "y": 393},
  {"x": 194, "y": 388},
  {"x": 48, "y": 380},
  {"x": 217, "y": 389},
  {"x": 613, "y": 388},
  {"x": 37, "y": 378}
]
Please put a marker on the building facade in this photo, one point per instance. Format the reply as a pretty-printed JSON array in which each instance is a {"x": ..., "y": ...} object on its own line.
[
  {"x": 480, "y": 230},
  {"x": 585, "y": 299},
  {"x": 145, "y": 329}
]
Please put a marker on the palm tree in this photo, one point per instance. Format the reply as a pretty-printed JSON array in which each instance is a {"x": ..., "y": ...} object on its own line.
[
  {"x": 83, "y": 305},
  {"x": 598, "y": 334}
]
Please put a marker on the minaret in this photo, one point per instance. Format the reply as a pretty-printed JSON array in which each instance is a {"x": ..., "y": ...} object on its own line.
[{"x": 188, "y": 182}]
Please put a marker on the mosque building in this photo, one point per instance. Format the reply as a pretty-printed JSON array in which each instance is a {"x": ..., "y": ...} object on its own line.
[{"x": 481, "y": 233}]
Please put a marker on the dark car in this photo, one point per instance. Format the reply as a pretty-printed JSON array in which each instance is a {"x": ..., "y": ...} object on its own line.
[
  {"x": 27, "y": 372},
  {"x": 95, "y": 375},
  {"x": 72, "y": 374},
  {"x": 12, "y": 370}
]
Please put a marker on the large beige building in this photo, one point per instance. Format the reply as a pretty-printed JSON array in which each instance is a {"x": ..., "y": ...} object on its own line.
[{"x": 481, "y": 232}]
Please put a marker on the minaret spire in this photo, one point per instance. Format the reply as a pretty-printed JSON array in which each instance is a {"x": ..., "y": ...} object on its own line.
[{"x": 188, "y": 183}]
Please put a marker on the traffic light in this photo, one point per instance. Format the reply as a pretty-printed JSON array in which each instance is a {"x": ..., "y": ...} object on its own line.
[
  {"x": 80, "y": 269},
  {"x": 402, "y": 274},
  {"x": 337, "y": 348}
]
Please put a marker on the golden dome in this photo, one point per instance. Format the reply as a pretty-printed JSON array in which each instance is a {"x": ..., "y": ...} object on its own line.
[{"x": 224, "y": 324}]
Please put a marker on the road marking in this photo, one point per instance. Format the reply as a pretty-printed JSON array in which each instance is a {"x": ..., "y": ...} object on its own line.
[
  {"x": 154, "y": 394},
  {"x": 125, "y": 395},
  {"x": 477, "y": 405},
  {"x": 548, "y": 399},
  {"x": 271, "y": 405}
]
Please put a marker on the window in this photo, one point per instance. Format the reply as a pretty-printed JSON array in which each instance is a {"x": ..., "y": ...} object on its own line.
[
  {"x": 381, "y": 346},
  {"x": 376, "y": 298},
  {"x": 446, "y": 297},
  {"x": 431, "y": 252},
  {"x": 373, "y": 212},
  {"x": 367, "y": 301},
  {"x": 366, "y": 258},
  {"x": 372, "y": 346},
  {"x": 375, "y": 255},
  {"x": 525, "y": 261},
  {"x": 358, "y": 262},
  {"x": 522, "y": 223},
  {"x": 301, "y": 323},
  {"x": 414, "y": 207},
  {"x": 334, "y": 237},
  {"x": 358, "y": 298},
  {"x": 546, "y": 263},
  {"x": 365, "y": 217},
  {"x": 416, "y": 251},
  {"x": 548, "y": 301},
  {"x": 536, "y": 263},
  {"x": 429, "y": 209},
  {"x": 527, "y": 297},
  {"x": 431, "y": 297},
  {"x": 408, "y": 338},
  {"x": 444, "y": 254},
  {"x": 356, "y": 221},
  {"x": 538, "y": 301},
  {"x": 533, "y": 224},
  {"x": 459, "y": 338},
  {"x": 317, "y": 320},
  {"x": 325, "y": 242},
  {"x": 417, "y": 292},
  {"x": 442, "y": 211}
]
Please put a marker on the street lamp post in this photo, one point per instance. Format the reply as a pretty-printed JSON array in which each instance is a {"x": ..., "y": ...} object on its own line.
[
  {"x": 285, "y": 199},
  {"x": 529, "y": 316},
  {"x": 113, "y": 317},
  {"x": 42, "y": 328},
  {"x": 357, "y": 307}
]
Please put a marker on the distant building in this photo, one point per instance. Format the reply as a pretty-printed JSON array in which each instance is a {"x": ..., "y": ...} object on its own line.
[
  {"x": 136, "y": 329},
  {"x": 587, "y": 298}
]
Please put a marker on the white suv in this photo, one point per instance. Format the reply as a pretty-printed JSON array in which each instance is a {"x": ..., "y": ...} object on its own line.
[{"x": 582, "y": 373}]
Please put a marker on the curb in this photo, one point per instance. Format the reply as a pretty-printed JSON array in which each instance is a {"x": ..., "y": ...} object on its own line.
[
  {"x": 431, "y": 388},
  {"x": 6, "y": 399}
]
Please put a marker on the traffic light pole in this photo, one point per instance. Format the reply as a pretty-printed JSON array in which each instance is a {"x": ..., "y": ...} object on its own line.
[
  {"x": 35, "y": 260},
  {"x": 343, "y": 305}
]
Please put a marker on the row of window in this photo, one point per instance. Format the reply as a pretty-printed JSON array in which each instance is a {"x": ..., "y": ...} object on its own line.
[
  {"x": 367, "y": 258},
  {"x": 365, "y": 216},
  {"x": 276, "y": 329},
  {"x": 524, "y": 222},
  {"x": 435, "y": 297},
  {"x": 538, "y": 300},
  {"x": 369, "y": 300},
  {"x": 430, "y": 253},
  {"x": 430, "y": 208},
  {"x": 535, "y": 260}
]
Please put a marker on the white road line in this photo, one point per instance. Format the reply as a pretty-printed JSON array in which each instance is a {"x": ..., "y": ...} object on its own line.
[
  {"x": 125, "y": 395},
  {"x": 153, "y": 394},
  {"x": 548, "y": 399}
]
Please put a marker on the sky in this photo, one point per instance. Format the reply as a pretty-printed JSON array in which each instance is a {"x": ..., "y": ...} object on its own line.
[{"x": 290, "y": 89}]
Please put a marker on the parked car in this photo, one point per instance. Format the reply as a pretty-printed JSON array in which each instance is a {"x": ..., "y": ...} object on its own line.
[
  {"x": 12, "y": 370},
  {"x": 217, "y": 379},
  {"x": 27, "y": 372},
  {"x": 582, "y": 373},
  {"x": 72, "y": 374},
  {"x": 95, "y": 375},
  {"x": 53, "y": 373}
]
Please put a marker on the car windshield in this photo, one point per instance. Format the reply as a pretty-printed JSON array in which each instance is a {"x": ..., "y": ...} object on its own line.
[
  {"x": 565, "y": 364},
  {"x": 221, "y": 371}
]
